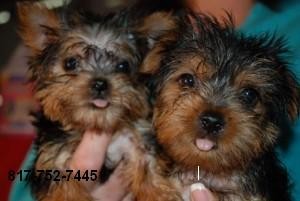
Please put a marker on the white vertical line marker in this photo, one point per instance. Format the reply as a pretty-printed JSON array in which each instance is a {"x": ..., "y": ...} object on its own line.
[{"x": 198, "y": 172}]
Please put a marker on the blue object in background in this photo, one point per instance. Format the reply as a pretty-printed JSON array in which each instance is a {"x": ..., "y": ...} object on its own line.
[{"x": 286, "y": 23}]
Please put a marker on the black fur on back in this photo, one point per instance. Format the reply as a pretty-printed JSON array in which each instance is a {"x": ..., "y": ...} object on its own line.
[{"x": 270, "y": 178}]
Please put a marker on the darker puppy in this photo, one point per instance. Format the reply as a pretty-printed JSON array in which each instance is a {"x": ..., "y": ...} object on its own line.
[{"x": 221, "y": 99}]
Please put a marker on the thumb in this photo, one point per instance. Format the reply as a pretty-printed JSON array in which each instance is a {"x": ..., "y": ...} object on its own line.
[{"x": 200, "y": 193}]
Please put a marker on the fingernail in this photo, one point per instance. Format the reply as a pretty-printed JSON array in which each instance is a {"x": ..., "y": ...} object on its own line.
[{"x": 199, "y": 192}]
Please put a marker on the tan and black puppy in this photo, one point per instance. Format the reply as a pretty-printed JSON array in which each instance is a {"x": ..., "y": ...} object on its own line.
[
  {"x": 221, "y": 99},
  {"x": 85, "y": 71}
]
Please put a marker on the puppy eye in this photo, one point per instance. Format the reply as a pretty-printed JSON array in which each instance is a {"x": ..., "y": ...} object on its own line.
[
  {"x": 249, "y": 96},
  {"x": 123, "y": 67},
  {"x": 71, "y": 64},
  {"x": 187, "y": 80}
]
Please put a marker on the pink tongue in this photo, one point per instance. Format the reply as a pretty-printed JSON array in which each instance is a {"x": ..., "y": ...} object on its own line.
[
  {"x": 204, "y": 144},
  {"x": 100, "y": 103}
]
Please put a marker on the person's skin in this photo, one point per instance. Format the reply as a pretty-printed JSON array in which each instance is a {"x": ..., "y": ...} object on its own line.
[
  {"x": 91, "y": 152},
  {"x": 239, "y": 9},
  {"x": 90, "y": 155}
]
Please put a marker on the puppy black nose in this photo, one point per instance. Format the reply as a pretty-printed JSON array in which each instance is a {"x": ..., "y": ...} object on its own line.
[
  {"x": 212, "y": 123},
  {"x": 100, "y": 88}
]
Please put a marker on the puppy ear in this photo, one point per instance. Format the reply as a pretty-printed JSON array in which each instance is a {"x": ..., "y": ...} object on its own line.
[
  {"x": 156, "y": 25},
  {"x": 38, "y": 25},
  {"x": 152, "y": 61},
  {"x": 157, "y": 29}
]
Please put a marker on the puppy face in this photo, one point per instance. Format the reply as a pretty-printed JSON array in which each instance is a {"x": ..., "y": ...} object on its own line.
[
  {"x": 220, "y": 96},
  {"x": 85, "y": 71}
]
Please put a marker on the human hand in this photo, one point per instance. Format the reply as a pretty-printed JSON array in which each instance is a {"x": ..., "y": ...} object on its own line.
[
  {"x": 90, "y": 155},
  {"x": 200, "y": 193}
]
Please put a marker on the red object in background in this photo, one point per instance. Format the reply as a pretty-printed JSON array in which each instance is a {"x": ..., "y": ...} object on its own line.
[
  {"x": 13, "y": 149},
  {"x": 16, "y": 131},
  {"x": 17, "y": 104}
]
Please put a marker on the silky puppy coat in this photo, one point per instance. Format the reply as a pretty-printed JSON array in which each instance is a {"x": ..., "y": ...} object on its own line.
[
  {"x": 220, "y": 102},
  {"x": 84, "y": 69}
]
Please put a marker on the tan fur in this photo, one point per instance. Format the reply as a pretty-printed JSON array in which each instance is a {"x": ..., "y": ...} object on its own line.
[
  {"x": 176, "y": 116},
  {"x": 144, "y": 175},
  {"x": 65, "y": 97},
  {"x": 33, "y": 34},
  {"x": 157, "y": 24},
  {"x": 67, "y": 190},
  {"x": 73, "y": 109},
  {"x": 152, "y": 60}
]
